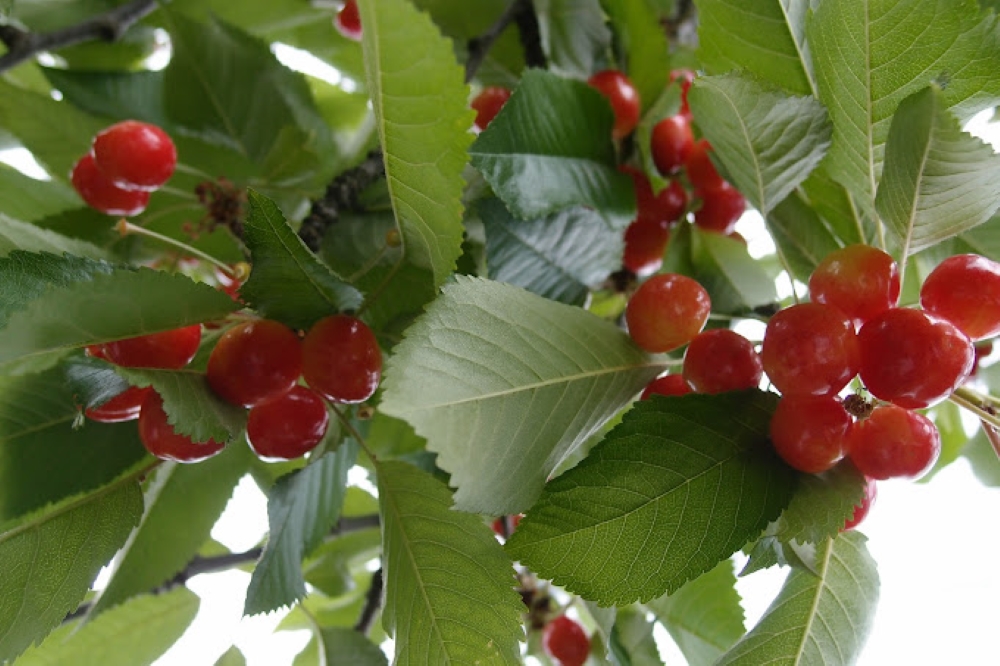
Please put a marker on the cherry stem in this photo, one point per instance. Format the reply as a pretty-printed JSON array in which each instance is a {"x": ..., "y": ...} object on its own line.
[
  {"x": 980, "y": 405},
  {"x": 238, "y": 271},
  {"x": 346, "y": 422}
]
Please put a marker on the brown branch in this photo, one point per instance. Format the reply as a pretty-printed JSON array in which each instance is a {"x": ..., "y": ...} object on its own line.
[
  {"x": 373, "y": 602},
  {"x": 108, "y": 27},
  {"x": 531, "y": 35}
]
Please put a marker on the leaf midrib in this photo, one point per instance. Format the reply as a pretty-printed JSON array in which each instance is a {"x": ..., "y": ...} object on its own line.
[{"x": 821, "y": 587}]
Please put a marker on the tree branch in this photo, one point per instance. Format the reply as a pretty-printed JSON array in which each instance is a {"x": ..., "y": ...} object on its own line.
[
  {"x": 531, "y": 35},
  {"x": 373, "y": 601},
  {"x": 479, "y": 47},
  {"x": 341, "y": 195},
  {"x": 108, "y": 27}
]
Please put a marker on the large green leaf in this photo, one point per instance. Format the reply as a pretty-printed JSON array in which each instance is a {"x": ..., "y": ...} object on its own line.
[
  {"x": 560, "y": 257},
  {"x": 288, "y": 282},
  {"x": 680, "y": 485},
  {"x": 443, "y": 568},
  {"x": 17, "y": 235},
  {"x": 573, "y": 35},
  {"x": 117, "y": 95},
  {"x": 301, "y": 509},
  {"x": 51, "y": 558},
  {"x": 641, "y": 39},
  {"x": 821, "y": 618},
  {"x": 937, "y": 181},
  {"x": 550, "y": 148},
  {"x": 821, "y": 505},
  {"x": 869, "y": 58},
  {"x": 138, "y": 632},
  {"x": 25, "y": 276},
  {"x": 503, "y": 384},
  {"x": 768, "y": 141},
  {"x": 766, "y": 38},
  {"x": 421, "y": 109}
]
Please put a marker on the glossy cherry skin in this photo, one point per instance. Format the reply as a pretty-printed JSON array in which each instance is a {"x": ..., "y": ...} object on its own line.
[
  {"x": 254, "y": 361},
  {"x": 670, "y": 385},
  {"x": 912, "y": 358},
  {"x": 101, "y": 194},
  {"x": 666, "y": 312},
  {"x": 721, "y": 208},
  {"x": 664, "y": 208},
  {"x": 860, "y": 280},
  {"x": 288, "y": 425},
  {"x": 720, "y": 360},
  {"x": 341, "y": 359},
  {"x": 809, "y": 432},
  {"x": 645, "y": 243},
  {"x": 622, "y": 95},
  {"x": 122, "y": 407},
  {"x": 893, "y": 443},
  {"x": 861, "y": 510},
  {"x": 700, "y": 169},
  {"x": 565, "y": 641},
  {"x": 348, "y": 21},
  {"x": 488, "y": 103},
  {"x": 135, "y": 155},
  {"x": 810, "y": 349},
  {"x": 160, "y": 439},
  {"x": 965, "y": 290},
  {"x": 170, "y": 350},
  {"x": 671, "y": 143}
]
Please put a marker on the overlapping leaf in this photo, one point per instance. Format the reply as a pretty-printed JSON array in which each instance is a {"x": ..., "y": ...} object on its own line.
[
  {"x": 35, "y": 198},
  {"x": 503, "y": 384},
  {"x": 340, "y": 645},
  {"x": 17, "y": 235},
  {"x": 821, "y": 505},
  {"x": 801, "y": 249},
  {"x": 632, "y": 640},
  {"x": 573, "y": 34},
  {"x": 449, "y": 595},
  {"x": 677, "y": 487},
  {"x": 24, "y": 276}
]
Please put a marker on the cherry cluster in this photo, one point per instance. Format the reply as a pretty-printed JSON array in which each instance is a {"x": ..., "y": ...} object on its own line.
[{"x": 126, "y": 162}]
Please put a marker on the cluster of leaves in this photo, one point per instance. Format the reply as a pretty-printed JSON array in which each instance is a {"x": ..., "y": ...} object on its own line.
[{"x": 481, "y": 264}]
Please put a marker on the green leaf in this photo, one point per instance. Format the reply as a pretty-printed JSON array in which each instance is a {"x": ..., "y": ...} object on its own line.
[
  {"x": 868, "y": 61},
  {"x": 136, "y": 633},
  {"x": 550, "y": 148},
  {"x": 632, "y": 640},
  {"x": 145, "y": 561},
  {"x": 947, "y": 417},
  {"x": 704, "y": 617},
  {"x": 422, "y": 114},
  {"x": 336, "y": 562},
  {"x": 17, "y": 235},
  {"x": 769, "y": 551},
  {"x": 232, "y": 657},
  {"x": 559, "y": 257},
  {"x": 817, "y": 619},
  {"x": 801, "y": 236},
  {"x": 735, "y": 281},
  {"x": 836, "y": 206},
  {"x": 765, "y": 38},
  {"x": 442, "y": 568},
  {"x": 117, "y": 95},
  {"x": 937, "y": 181},
  {"x": 25, "y": 276},
  {"x": 573, "y": 35},
  {"x": 821, "y": 505},
  {"x": 288, "y": 282},
  {"x": 768, "y": 141},
  {"x": 301, "y": 509},
  {"x": 642, "y": 40},
  {"x": 350, "y": 648},
  {"x": 503, "y": 384},
  {"x": 680, "y": 485},
  {"x": 35, "y": 198},
  {"x": 51, "y": 559}
]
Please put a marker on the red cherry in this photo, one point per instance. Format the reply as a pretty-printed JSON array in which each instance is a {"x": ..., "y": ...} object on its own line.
[
  {"x": 504, "y": 526},
  {"x": 162, "y": 441},
  {"x": 622, "y": 95},
  {"x": 664, "y": 208},
  {"x": 565, "y": 641},
  {"x": 671, "y": 143},
  {"x": 893, "y": 443},
  {"x": 170, "y": 349},
  {"x": 645, "y": 243},
  {"x": 860, "y": 280},
  {"x": 122, "y": 407},
  {"x": 861, "y": 510},
  {"x": 667, "y": 385},
  {"x": 135, "y": 155},
  {"x": 720, "y": 360},
  {"x": 288, "y": 425},
  {"x": 341, "y": 359},
  {"x": 700, "y": 169},
  {"x": 721, "y": 208},
  {"x": 253, "y": 361},
  {"x": 965, "y": 290},
  {"x": 810, "y": 349},
  {"x": 666, "y": 312},
  {"x": 101, "y": 194},
  {"x": 912, "y": 358},
  {"x": 686, "y": 78},
  {"x": 809, "y": 432},
  {"x": 348, "y": 21},
  {"x": 488, "y": 103}
]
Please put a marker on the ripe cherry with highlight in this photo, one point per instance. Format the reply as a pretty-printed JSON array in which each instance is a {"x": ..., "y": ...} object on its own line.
[
  {"x": 135, "y": 155},
  {"x": 720, "y": 360},
  {"x": 348, "y": 21},
  {"x": 666, "y": 312},
  {"x": 622, "y": 95},
  {"x": 565, "y": 641},
  {"x": 254, "y": 361},
  {"x": 122, "y": 407},
  {"x": 965, "y": 290},
  {"x": 893, "y": 443},
  {"x": 160, "y": 438},
  {"x": 860, "y": 280},
  {"x": 341, "y": 359},
  {"x": 101, "y": 194},
  {"x": 288, "y": 425},
  {"x": 809, "y": 432},
  {"x": 170, "y": 350}
]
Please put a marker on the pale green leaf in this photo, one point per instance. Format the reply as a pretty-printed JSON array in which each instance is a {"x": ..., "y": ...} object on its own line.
[
  {"x": 231, "y": 657},
  {"x": 821, "y": 618},
  {"x": 350, "y": 648},
  {"x": 644, "y": 45},
  {"x": 337, "y": 561},
  {"x": 560, "y": 257},
  {"x": 51, "y": 559},
  {"x": 421, "y": 109},
  {"x": 704, "y": 617},
  {"x": 30, "y": 199},
  {"x": 301, "y": 509},
  {"x": 17, "y": 235},
  {"x": 768, "y": 141},
  {"x": 680, "y": 485},
  {"x": 769, "y": 551},
  {"x": 573, "y": 35},
  {"x": 632, "y": 641},
  {"x": 937, "y": 181},
  {"x": 802, "y": 237},
  {"x": 735, "y": 281},
  {"x": 137, "y": 632},
  {"x": 442, "y": 569},
  {"x": 550, "y": 148},
  {"x": 118, "y": 95},
  {"x": 503, "y": 384},
  {"x": 822, "y": 503},
  {"x": 836, "y": 206}
]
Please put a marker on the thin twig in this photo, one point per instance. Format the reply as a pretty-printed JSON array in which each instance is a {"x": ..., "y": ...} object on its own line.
[
  {"x": 479, "y": 47},
  {"x": 373, "y": 602},
  {"x": 108, "y": 27},
  {"x": 341, "y": 195},
  {"x": 531, "y": 35}
]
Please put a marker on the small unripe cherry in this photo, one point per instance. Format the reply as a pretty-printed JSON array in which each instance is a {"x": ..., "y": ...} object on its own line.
[
  {"x": 720, "y": 360},
  {"x": 965, "y": 290},
  {"x": 893, "y": 443},
  {"x": 666, "y": 312}
]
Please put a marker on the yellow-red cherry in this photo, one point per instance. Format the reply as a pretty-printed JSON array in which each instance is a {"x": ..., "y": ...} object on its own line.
[
  {"x": 965, "y": 290},
  {"x": 171, "y": 349},
  {"x": 860, "y": 280},
  {"x": 101, "y": 194},
  {"x": 160, "y": 438},
  {"x": 288, "y": 425},
  {"x": 893, "y": 442},
  {"x": 720, "y": 360},
  {"x": 810, "y": 432},
  {"x": 341, "y": 359},
  {"x": 488, "y": 103},
  {"x": 667, "y": 311},
  {"x": 565, "y": 641},
  {"x": 348, "y": 21},
  {"x": 122, "y": 407},
  {"x": 623, "y": 97},
  {"x": 135, "y": 155},
  {"x": 253, "y": 361}
]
